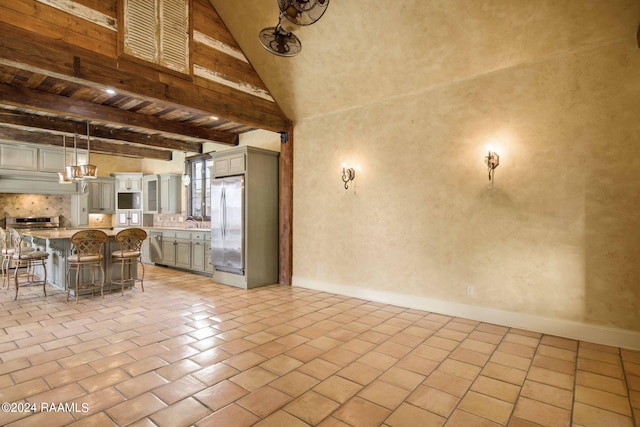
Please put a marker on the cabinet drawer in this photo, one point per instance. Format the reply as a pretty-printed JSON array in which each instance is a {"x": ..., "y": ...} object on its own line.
[
  {"x": 199, "y": 236},
  {"x": 183, "y": 235}
]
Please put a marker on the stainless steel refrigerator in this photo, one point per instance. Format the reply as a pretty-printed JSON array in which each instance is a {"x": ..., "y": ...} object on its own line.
[{"x": 227, "y": 224}]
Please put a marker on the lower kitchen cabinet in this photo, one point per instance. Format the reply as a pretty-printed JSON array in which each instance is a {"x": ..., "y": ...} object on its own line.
[
  {"x": 199, "y": 242},
  {"x": 176, "y": 249}
]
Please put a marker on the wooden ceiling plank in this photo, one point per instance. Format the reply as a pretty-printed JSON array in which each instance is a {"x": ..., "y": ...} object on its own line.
[
  {"x": 53, "y": 56},
  {"x": 97, "y": 146},
  {"x": 36, "y": 100},
  {"x": 57, "y": 124}
]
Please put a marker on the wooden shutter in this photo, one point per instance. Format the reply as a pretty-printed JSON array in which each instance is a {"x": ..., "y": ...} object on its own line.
[
  {"x": 158, "y": 31},
  {"x": 174, "y": 34},
  {"x": 140, "y": 29}
]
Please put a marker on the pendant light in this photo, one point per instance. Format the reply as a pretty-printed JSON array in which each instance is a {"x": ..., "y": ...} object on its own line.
[
  {"x": 62, "y": 176},
  {"x": 88, "y": 170},
  {"x": 73, "y": 172},
  {"x": 186, "y": 179}
]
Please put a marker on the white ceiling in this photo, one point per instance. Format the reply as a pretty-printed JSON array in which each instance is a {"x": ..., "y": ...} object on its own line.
[{"x": 362, "y": 52}]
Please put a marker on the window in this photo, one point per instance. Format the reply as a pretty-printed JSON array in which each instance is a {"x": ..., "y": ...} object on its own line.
[
  {"x": 199, "y": 189},
  {"x": 157, "y": 31}
]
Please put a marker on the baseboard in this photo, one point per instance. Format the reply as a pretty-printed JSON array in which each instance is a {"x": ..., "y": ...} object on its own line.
[{"x": 564, "y": 328}]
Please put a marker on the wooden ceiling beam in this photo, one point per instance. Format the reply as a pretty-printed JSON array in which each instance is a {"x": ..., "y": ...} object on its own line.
[
  {"x": 97, "y": 146},
  {"x": 56, "y": 104},
  {"x": 61, "y": 125},
  {"x": 23, "y": 49}
]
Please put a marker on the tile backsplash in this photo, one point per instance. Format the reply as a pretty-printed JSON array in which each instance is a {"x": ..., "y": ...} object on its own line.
[{"x": 26, "y": 205}]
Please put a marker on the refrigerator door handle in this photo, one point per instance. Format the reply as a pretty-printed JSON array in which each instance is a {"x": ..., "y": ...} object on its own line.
[{"x": 221, "y": 214}]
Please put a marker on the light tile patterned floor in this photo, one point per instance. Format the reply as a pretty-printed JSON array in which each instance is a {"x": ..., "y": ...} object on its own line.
[{"x": 188, "y": 351}]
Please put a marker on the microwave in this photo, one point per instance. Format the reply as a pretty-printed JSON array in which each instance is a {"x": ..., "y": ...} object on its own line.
[{"x": 129, "y": 200}]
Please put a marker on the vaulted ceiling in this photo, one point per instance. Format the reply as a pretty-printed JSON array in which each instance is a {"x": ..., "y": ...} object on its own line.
[{"x": 360, "y": 53}]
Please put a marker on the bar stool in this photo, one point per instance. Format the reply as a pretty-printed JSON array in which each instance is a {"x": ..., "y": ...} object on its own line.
[
  {"x": 129, "y": 254},
  {"x": 88, "y": 245},
  {"x": 27, "y": 257},
  {"x": 7, "y": 253}
]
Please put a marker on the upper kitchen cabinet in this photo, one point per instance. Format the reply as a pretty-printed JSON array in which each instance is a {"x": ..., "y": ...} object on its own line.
[
  {"x": 31, "y": 168},
  {"x": 35, "y": 158},
  {"x": 102, "y": 195},
  {"x": 231, "y": 163},
  {"x": 129, "y": 181},
  {"x": 162, "y": 194},
  {"x": 19, "y": 157}
]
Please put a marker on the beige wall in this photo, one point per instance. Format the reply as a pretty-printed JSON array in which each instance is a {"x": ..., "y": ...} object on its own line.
[{"x": 559, "y": 234}]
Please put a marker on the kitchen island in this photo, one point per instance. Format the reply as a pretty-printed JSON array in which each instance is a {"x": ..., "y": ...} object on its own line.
[{"x": 57, "y": 243}]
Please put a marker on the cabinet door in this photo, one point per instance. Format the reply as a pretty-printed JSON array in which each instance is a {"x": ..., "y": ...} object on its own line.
[
  {"x": 183, "y": 254},
  {"x": 51, "y": 160},
  {"x": 168, "y": 252},
  {"x": 129, "y": 183},
  {"x": 135, "y": 218},
  {"x": 198, "y": 256},
  {"x": 18, "y": 157},
  {"x": 122, "y": 218},
  {"x": 150, "y": 192},
  {"x": 95, "y": 196},
  {"x": 108, "y": 191}
]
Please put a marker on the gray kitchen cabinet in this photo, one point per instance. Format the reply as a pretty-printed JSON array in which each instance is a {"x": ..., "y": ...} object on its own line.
[
  {"x": 150, "y": 194},
  {"x": 162, "y": 194},
  {"x": 51, "y": 159},
  {"x": 199, "y": 241},
  {"x": 244, "y": 217},
  {"x": 170, "y": 193},
  {"x": 19, "y": 157},
  {"x": 102, "y": 195},
  {"x": 229, "y": 163},
  {"x": 128, "y": 181},
  {"x": 176, "y": 249}
]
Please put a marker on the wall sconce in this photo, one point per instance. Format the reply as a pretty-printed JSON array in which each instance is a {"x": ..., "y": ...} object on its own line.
[
  {"x": 492, "y": 160},
  {"x": 348, "y": 174}
]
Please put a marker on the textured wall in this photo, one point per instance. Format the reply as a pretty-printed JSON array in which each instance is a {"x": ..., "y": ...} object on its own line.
[{"x": 558, "y": 235}]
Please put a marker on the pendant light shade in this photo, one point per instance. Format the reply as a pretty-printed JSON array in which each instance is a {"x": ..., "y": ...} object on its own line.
[
  {"x": 88, "y": 170},
  {"x": 62, "y": 176},
  {"x": 73, "y": 172}
]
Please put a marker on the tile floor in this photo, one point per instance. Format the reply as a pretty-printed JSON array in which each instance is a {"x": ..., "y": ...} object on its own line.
[{"x": 190, "y": 352}]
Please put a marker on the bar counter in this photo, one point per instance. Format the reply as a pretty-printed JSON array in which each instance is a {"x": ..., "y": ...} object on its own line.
[{"x": 57, "y": 243}]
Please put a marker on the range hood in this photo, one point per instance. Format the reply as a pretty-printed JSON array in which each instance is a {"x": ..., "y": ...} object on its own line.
[{"x": 37, "y": 183}]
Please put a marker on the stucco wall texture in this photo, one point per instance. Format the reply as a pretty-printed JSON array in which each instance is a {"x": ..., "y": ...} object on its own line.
[{"x": 557, "y": 236}]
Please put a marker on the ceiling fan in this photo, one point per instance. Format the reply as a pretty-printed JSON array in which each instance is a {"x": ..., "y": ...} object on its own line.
[{"x": 280, "y": 39}]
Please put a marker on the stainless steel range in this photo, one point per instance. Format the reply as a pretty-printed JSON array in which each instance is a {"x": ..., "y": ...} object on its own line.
[{"x": 32, "y": 222}]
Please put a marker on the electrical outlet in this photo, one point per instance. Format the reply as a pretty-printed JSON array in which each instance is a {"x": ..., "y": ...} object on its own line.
[{"x": 470, "y": 291}]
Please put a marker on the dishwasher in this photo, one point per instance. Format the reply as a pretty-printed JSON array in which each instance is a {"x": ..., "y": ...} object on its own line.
[{"x": 155, "y": 247}]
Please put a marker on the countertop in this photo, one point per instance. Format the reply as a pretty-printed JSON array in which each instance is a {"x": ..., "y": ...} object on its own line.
[
  {"x": 63, "y": 233},
  {"x": 66, "y": 233}
]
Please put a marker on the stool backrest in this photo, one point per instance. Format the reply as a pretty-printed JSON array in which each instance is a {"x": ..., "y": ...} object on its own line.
[
  {"x": 16, "y": 241},
  {"x": 88, "y": 242},
  {"x": 131, "y": 239},
  {"x": 3, "y": 236}
]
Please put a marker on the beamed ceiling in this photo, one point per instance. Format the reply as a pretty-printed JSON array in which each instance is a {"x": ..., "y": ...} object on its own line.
[{"x": 56, "y": 66}]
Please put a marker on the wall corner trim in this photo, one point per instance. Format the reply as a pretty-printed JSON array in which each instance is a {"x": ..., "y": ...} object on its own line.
[{"x": 560, "y": 327}]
